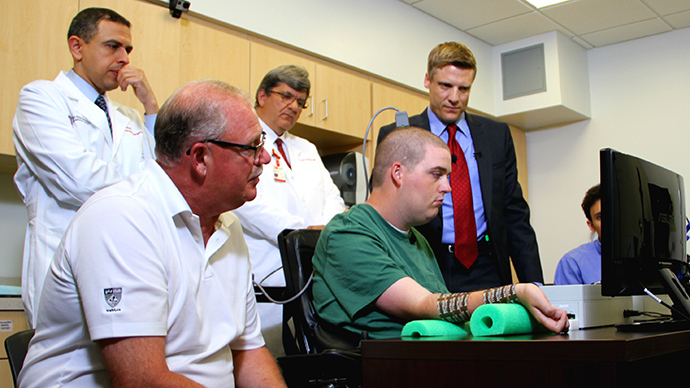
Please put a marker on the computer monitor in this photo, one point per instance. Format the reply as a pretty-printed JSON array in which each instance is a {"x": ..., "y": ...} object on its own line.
[{"x": 643, "y": 235}]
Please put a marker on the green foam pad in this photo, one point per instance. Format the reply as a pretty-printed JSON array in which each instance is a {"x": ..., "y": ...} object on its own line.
[
  {"x": 502, "y": 319},
  {"x": 432, "y": 328}
]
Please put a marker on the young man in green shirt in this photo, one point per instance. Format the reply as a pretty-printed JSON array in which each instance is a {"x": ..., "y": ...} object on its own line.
[{"x": 374, "y": 272}]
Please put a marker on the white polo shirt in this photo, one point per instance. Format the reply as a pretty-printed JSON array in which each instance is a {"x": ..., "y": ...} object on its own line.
[{"x": 133, "y": 263}]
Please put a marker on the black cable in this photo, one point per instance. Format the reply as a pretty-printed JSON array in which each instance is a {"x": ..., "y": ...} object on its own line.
[{"x": 658, "y": 300}]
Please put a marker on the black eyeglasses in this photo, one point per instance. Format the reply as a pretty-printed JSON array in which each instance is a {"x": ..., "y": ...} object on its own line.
[
  {"x": 288, "y": 98},
  {"x": 257, "y": 148}
]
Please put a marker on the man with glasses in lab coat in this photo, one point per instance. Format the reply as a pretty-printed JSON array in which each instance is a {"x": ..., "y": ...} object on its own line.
[{"x": 295, "y": 191}]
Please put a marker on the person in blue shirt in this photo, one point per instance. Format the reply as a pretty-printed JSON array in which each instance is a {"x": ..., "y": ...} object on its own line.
[{"x": 582, "y": 265}]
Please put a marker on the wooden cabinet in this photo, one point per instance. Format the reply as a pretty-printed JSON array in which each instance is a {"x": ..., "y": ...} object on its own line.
[
  {"x": 34, "y": 46},
  {"x": 156, "y": 42},
  {"x": 387, "y": 95},
  {"x": 170, "y": 51},
  {"x": 266, "y": 56},
  {"x": 340, "y": 99},
  {"x": 212, "y": 51},
  {"x": 175, "y": 51}
]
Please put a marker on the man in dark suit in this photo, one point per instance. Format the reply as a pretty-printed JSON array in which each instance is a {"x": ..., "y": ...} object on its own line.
[{"x": 484, "y": 150}]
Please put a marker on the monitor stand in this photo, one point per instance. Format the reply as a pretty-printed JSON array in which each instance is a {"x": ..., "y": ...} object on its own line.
[
  {"x": 660, "y": 326},
  {"x": 680, "y": 309}
]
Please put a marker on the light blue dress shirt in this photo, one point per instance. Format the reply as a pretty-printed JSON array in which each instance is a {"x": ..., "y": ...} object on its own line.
[
  {"x": 464, "y": 138},
  {"x": 582, "y": 265}
]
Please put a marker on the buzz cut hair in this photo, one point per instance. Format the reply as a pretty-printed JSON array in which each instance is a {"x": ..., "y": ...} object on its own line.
[{"x": 406, "y": 145}]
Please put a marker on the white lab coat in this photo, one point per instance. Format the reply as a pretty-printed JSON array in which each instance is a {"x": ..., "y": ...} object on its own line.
[
  {"x": 307, "y": 197},
  {"x": 65, "y": 153}
]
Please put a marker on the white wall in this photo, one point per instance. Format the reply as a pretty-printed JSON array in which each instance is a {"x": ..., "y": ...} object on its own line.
[
  {"x": 640, "y": 95},
  {"x": 12, "y": 227}
]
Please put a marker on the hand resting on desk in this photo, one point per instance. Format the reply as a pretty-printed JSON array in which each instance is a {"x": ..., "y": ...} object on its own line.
[
  {"x": 407, "y": 299},
  {"x": 536, "y": 302}
]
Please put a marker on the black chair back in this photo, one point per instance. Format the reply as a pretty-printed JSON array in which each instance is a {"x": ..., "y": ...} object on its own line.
[
  {"x": 311, "y": 334},
  {"x": 16, "y": 347}
]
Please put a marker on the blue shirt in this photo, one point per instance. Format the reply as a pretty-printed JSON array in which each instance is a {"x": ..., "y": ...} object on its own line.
[
  {"x": 582, "y": 265},
  {"x": 82, "y": 85},
  {"x": 464, "y": 139}
]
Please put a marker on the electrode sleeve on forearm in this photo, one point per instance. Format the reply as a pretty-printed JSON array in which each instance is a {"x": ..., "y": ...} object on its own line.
[{"x": 453, "y": 307}]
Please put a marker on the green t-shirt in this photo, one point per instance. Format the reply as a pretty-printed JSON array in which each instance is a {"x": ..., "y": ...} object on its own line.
[{"x": 358, "y": 256}]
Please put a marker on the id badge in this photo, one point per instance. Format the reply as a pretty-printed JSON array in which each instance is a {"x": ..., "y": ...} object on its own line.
[{"x": 278, "y": 174}]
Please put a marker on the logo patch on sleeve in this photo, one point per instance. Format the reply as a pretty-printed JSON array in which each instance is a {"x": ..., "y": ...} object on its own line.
[{"x": 112, "y": 296}]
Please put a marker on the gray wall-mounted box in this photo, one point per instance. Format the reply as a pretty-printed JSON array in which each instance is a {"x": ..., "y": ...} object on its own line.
[
  {"x": 523, "y": 71},
  {"x": 542, "y": 81}
]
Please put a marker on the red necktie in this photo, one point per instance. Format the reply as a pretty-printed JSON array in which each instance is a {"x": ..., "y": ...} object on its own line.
[
  {"x": 279, "y": 143},
  {"x": 463, "y": 208}
]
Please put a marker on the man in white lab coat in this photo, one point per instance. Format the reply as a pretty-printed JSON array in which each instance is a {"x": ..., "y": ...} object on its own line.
[
  {"x": 71, "y": 141},
  {"x": 295, "y": 190}
]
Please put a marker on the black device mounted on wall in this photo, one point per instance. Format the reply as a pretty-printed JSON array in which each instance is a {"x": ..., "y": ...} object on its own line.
[
  {"x": 178, "y": 6},
  {"x": 347, "y": 171}
]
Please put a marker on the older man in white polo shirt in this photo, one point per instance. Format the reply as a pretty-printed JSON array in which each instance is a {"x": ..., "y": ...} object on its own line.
[{"x": 151, "y": 286}]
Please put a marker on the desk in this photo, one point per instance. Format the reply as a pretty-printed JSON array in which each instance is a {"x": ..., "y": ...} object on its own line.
[{"x": 584, "y": 358}]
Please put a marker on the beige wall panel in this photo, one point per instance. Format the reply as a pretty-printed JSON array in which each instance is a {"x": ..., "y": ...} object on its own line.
[
  {"x": 156, "y": 41},
  {"x": 211, "y": 51},
  {"x": 34, "y": 46}
]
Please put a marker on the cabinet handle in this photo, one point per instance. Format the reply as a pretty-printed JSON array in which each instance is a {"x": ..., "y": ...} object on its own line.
[
  {"x": 326, "y": 116},
  {"x": 311, "y": 106}
]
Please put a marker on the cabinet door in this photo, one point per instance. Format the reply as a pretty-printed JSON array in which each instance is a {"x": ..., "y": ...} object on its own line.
[
  {"x": 386, "y": 95},
  {"x": 211, "y": 51},
  {"x": 266, "y": 57},
  {"x": 343, "y": 100},
  {"x": 34, "y": 47},
  {"x": 156, "y": 42}
]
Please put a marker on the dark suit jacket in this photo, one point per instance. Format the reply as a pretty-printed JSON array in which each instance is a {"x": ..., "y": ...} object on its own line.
[{"x": 507, "y": 212}]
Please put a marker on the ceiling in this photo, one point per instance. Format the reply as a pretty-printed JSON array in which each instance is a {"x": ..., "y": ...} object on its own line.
[{"x": 591, "y": 23}]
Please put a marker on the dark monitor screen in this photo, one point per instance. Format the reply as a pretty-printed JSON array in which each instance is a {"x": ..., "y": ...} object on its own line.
[{"x": 642, "y": 225}]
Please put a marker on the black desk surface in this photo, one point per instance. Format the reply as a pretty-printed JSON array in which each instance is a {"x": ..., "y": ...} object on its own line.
[
  {"x": 606, "y": 344},
  {"x": 601, "y": 357}
]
